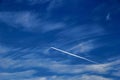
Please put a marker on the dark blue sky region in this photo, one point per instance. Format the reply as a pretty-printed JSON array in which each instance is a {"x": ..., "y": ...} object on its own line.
[{"x": 86, "y": 28}]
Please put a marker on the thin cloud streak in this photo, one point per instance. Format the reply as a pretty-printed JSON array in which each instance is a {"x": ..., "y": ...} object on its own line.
[
  {"x": 73, "y": 55},
  {"x": 84, "y": 47}
]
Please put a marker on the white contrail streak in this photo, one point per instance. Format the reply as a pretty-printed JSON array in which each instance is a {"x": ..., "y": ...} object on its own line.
[{"x": 73, "y": 55}]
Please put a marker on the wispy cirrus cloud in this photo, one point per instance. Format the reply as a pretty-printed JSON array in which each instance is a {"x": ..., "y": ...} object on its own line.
[
  {"x": 80, "y": 39},
  {"x": 4, "y": 49},
  {"x": 17, "y": 75},
  {"x": 53, "y": 66},
  {"x": 78, "y": 77},
  {"x": 29, "y": 75},
  {"x": 84, "y": 31},
  {"x": 94, "y": 77},
  {"x": 117, "y": 73},
  {"x": 32, "y": 2},
  {"x": 32, "y": 59},
  {"x": 54, "y": 4},
  {"x": 84, "y": 47},
  {"x": 29, "y": 21},
  {"x": 58, "y": 67}
]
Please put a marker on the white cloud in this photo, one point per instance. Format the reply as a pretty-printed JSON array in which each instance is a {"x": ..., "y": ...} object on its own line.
[
  {"x": 28, "y": 75},
  {"x": 37, "y": 78},
  {"x": 81, "y": 77},
  {"x": 54, "y": 4},
  {"x": 59, "y": 67},
  {"x": 29, "y": 21},
  {"x": 79, "y": 33},
  {"x": 108, "y": 17},
  {"x": 32, "y": 2},
  {"x": 116, "y": 73},
  {"x": 94, "y": 77},
  {"x": 17, "y": 75},
  {"x": 78, "y": 77},
  {"x": 18, "y": 19},
  {"x": 75, "y": 69},
  {"x": 83, "y": 47},
  {"x": 4, "y": 49},
  {"x": 79, "y": 39},
  {"x": 6, "y": 63}
]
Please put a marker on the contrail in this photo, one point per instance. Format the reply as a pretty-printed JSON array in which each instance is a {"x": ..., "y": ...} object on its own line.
[{"x": 73, "y": 55}]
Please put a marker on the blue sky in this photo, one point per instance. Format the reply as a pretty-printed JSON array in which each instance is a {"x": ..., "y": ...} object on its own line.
[{"x": 87, "y": 28}]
